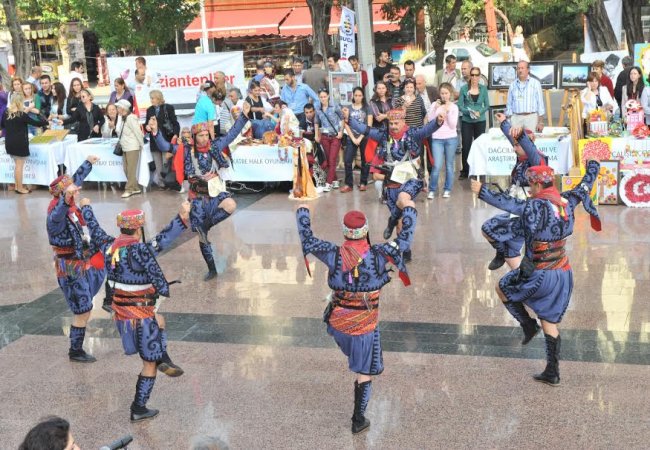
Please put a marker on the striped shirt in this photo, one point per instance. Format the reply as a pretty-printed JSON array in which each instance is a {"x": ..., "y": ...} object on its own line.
[{"x": 525, "y": 97}]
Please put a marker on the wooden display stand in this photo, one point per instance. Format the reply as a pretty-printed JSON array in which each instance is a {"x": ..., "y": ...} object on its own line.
[{"x": 572, "y": 105}]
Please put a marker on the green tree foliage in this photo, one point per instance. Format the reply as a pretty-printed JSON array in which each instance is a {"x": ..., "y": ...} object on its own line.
[
  {"x": 140, "y": 26},
  {"x": 442, "y": 17},
  {"x": 55, "y": 12}
]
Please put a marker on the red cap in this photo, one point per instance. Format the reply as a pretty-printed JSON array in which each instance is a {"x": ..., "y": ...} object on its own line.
[{"x": 355, "y": 225}]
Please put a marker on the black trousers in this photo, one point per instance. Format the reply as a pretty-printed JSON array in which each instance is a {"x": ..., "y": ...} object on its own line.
[{"x": 469, "y": 131}]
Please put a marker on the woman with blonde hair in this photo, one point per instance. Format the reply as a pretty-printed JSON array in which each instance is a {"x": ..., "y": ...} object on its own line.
[
  {"x": 165, "y": 129},
  {"x": 15, "y": 121},
  {"x": 32, "y": 102},
  {"x": 518, "y": 49}
]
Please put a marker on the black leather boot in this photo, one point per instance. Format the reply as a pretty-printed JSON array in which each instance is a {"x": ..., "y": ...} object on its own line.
[
  {"x": 528, "y": 324},
  {"x": 167, "y": 366},
  {"x": 361, "y": 397},
  {"x": 107, "y": 304},
  {"x": 139, "y": 410},
  {"x": 497, "y": 262},
  {"x": 206, "y": 251},
  {"x": 407, "y": 256},
  {"x": 551, "y": 374},
  {"x": 392, "y": 223}
]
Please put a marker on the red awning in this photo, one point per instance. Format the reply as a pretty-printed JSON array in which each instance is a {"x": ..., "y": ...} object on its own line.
[
  {"x": 237, "y": 23},
  {"x": 299, "y": 22}
]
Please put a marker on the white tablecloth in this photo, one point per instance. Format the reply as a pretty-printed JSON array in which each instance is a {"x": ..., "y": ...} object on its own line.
[
  {"x": 40, "y": 167},
  {"x": 61, "y": 148},
  {"x": 109, "y": 167},
  {"x": 491, "y": 153}
]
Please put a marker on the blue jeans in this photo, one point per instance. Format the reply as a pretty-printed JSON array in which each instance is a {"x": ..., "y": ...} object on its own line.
[{"x": 443, "y": 148}]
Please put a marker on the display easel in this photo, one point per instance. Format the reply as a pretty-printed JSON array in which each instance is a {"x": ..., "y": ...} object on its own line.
[
  {"x": 549, "y": 111},
  {"x": 572, "y": 105}
]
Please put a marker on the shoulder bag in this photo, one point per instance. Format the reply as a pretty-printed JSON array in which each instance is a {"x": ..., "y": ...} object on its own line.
[{"x": 118, "y": 151}]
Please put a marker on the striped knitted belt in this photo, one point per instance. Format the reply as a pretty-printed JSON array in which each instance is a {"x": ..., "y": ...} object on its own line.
[
  {"x": 146, "y": 297},
  {"x": 357, "y": 300},
  {"x": 550, "y": 255}
]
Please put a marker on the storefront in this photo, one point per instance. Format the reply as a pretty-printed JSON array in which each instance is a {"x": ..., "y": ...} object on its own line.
[{"x": 276, "y": 32}]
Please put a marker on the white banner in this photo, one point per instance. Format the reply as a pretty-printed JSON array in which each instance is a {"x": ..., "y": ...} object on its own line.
[
  {"x": 492, "y": 155},
  {"x": 40, "y": 167},
  {"x": 179, "y": 77},
  {"x": 109, "y": 167},
  {"x": 261, "y": 163},
  {"x": 346, "y": 33}
]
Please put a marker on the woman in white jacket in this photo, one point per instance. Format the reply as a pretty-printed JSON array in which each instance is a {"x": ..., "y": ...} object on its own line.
[
  {"x": 595, "y": 96},
  {"x": 132, "y": 141}
]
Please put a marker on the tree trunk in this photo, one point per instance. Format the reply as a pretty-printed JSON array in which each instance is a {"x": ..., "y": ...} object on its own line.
[
  {"x": 64, "y": 48},
  {"x": 440, "y": 35},
  {"x": 601, "y": 32},
  {"x": 491, "y": 21},
  {"x": 632, "y": 23},
  {"x": 321, "y": 14},
  {"x": 20, "y": 45}
]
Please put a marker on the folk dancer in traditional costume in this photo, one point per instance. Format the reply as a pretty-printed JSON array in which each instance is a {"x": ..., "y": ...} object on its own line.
[
  {"x": 396, "y": 160},
  {"x": 503, "y": 231},
  {"x": 137, "y": 281},
  {"x": 211, "y": 203},
  {"x": 356, "y": 273},
  {"x": 79, "y": 268},
  {"x": 544, "y": 279}
]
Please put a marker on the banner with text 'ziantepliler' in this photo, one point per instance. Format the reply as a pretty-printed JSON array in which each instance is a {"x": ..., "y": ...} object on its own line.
[{"x": 179, "y": 77}]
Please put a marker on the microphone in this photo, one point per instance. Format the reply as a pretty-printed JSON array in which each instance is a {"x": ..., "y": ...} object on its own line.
[{"x": 120, "y": 443}]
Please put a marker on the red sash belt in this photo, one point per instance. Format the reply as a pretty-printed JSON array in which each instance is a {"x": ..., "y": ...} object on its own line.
[
  {"x": 129, "y": 305},
  {"x": 550, "y": 255}
]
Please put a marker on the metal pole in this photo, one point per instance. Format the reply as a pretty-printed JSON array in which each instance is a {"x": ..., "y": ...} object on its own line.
[
  {"x": 205, "y": 46},
  {"x": 366, "y": 52}
]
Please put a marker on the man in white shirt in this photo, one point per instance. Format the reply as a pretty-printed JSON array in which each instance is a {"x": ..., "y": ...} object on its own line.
[
  {"x": 428, "y": 93},
  {"x": 525, "y": 105},
  {"x": 34, "y": 77}
]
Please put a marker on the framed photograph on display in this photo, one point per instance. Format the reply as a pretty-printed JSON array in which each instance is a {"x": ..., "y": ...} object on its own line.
[
  {"x": 341, "y": 86},
  {"x": 574, "y": 75},
  {"x": 501, "y": 75},
  {"x": 492, "y": 120},
  {"x": 545, "y": 72},
  {"x": 609, "y": 179}
]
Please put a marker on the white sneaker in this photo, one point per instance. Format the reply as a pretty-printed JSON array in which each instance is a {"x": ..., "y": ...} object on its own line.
[
  {"x": 319, "y": 189},
  {"x": 127, "y": 194},
  {"x": 446, "y": 194},
  {"x": 335, "y": 184},
  {"x": 431, "y": 195},
  {"x": 327, "y": 187}
]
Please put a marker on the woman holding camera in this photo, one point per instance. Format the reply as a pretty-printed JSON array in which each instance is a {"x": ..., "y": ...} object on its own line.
[
  {"x": 167, "y": 126},
  {"x": 445, "y": 139}
]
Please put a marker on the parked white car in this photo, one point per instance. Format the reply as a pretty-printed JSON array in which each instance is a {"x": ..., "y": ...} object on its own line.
[{"x": 477, "y": 52}]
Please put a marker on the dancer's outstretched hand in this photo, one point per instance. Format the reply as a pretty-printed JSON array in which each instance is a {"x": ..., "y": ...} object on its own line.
[
  {"x": 92, "y": 159},
  {"x": 476, "y": 186},
  {"x": 246, "y": 108},
  {"x": 84, "y": 202}
]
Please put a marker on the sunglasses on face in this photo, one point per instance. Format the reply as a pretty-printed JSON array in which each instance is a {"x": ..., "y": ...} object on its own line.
[{"x": 475, "y": 74}]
